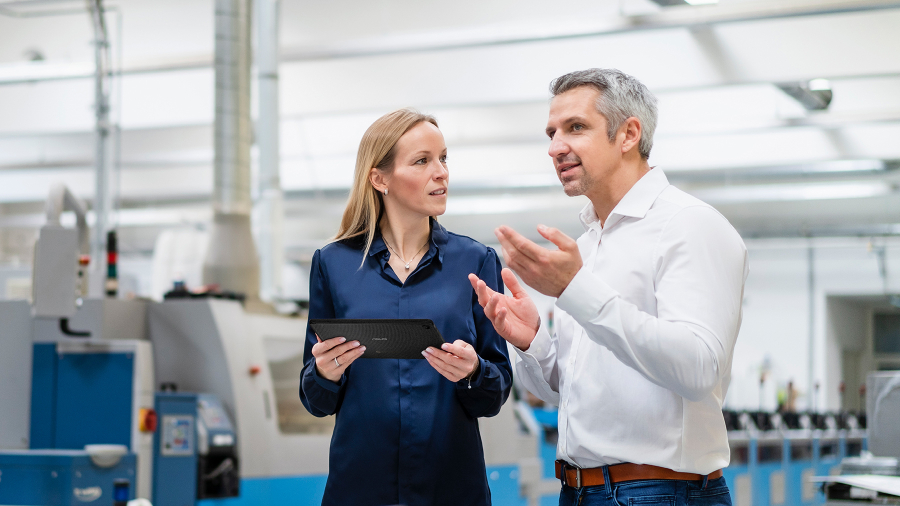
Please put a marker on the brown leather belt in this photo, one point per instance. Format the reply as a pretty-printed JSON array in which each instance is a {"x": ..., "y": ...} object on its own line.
[{"x": 577, "y": 478}]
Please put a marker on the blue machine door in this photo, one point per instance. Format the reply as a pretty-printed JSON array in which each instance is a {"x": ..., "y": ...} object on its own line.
[{"x": 94, "y": 399}]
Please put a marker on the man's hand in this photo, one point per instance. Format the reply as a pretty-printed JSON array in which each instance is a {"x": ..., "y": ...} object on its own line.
[
  {"x": 515, "y": 318},
  {"x": 454, "y": 361},
  {"x": 548, "y": 272}
]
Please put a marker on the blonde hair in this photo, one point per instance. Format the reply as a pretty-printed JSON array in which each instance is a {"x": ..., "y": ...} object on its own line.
[{"x": 376, "y": 149}]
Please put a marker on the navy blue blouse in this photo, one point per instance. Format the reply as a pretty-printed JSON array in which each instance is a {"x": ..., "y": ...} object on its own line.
[{"x": 404, "y": 434}]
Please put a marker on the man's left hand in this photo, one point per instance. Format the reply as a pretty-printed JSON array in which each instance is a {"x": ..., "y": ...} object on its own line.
[
  {"x": 548, "y": 272},
  {"x": 454, "y": 361}
]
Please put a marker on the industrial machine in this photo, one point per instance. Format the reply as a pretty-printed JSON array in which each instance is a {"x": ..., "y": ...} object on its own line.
[
  {"x": 71, "y": 391},
  {"x": 883, "y": 409},
  {"x": 873, "y": 477},
  {"x": 195, "y": 450}
]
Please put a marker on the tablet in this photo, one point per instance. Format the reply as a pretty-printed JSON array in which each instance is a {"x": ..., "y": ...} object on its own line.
[{"x": 383, "y": 338}]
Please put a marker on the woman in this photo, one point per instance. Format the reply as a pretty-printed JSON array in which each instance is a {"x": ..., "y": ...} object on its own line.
[{"x": 406, "y": 431}]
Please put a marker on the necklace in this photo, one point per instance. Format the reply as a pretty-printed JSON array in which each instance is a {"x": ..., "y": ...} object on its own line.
[{"x": 405, "y": 263}]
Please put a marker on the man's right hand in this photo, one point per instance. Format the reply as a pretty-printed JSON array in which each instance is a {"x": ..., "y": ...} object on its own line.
[
  {"x": 333, "y": 356},
  {"x": 515, "y": 318}
]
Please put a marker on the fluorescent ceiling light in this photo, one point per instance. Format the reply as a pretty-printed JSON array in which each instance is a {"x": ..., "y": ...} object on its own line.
[
  {"x": 147, "y": 217},
  {"x": 792, "y": 192},
  {"x": 38, "y": 70},
  {"x": 847, "y": 166},
  {"x": 819, "y": 85},
  {"x": 824, "y": 167},
  {"x": 701, "y": 2},
  {"x": 773, "y": 173}
]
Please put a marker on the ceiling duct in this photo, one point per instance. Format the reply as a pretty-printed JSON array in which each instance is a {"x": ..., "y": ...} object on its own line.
[
  {"x": 231, "y": 260},
  {"x": 814, "y": 95}
]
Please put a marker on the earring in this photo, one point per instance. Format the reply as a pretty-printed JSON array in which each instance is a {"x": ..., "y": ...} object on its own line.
[{"x": 385, "y": 192}]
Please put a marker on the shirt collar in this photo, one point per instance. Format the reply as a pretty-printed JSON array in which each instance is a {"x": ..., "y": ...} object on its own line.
[
  {"x": 636, "y": 202},
  {"x": 439, "y": 238}
]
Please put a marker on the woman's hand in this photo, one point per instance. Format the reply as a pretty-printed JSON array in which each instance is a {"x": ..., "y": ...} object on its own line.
[
  {"x": 454, "y": 361},
  {"x": 333, "y": 356}
]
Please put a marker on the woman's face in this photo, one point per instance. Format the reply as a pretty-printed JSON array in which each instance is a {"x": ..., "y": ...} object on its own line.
[{"x": 418, "y": 183}]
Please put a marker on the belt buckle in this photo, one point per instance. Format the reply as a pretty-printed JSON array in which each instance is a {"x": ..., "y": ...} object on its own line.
[{"x": 565, "y": 477}]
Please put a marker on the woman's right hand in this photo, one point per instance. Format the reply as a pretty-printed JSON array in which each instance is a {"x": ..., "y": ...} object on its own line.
[{"x": 333, "y": 356}]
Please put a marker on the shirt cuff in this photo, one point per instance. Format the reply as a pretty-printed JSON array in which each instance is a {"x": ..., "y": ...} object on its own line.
[
  {"x": 540, "y": 346},
  {"x": 475, "y": 382},
  {"x": 585, "y": 296},
  {"x": 327, "y": 384}
]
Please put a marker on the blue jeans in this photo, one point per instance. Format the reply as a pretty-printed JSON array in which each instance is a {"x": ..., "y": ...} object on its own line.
[{"x": 649, "y": 493}]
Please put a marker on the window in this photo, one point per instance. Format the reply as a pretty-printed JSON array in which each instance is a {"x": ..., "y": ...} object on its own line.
[{"x": 887, "y": 333}]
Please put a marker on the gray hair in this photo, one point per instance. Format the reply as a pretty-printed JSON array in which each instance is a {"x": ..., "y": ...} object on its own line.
[{"x": 621, "y": 97}]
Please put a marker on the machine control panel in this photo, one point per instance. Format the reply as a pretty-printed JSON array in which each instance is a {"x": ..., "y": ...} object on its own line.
[{"x": 177, "y": 435}]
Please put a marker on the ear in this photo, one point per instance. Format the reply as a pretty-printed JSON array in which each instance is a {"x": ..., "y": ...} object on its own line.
[
  {"x": 376, "y": 178},
  {"x": 633, "y": 131}
]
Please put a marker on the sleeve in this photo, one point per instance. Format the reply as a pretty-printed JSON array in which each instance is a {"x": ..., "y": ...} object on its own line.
[
  {"x": 701, "y": 266},
  {"x": 486, "y": 392},
  {"x": 320, "y": 396},
  {"x": 537, "y": 367}
]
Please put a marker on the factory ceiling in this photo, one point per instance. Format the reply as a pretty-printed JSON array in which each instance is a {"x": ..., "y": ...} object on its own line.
[{"x": 732, "y": 130}]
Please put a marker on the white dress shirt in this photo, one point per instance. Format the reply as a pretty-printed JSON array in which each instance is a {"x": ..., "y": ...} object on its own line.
[{"x": 641, "y": 358}]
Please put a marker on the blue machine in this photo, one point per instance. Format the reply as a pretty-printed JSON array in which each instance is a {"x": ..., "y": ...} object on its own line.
[
  {"x": 84, "y": 394},
  {"x": 64, "y": 478},
  {"x": 79, "y": 399},
  {"x": 194, "y": 450}
]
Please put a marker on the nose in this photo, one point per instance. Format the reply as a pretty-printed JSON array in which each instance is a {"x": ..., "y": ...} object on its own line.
[
  {"x": 558, "y": 147},
  {"x": 441, "y": 172}
]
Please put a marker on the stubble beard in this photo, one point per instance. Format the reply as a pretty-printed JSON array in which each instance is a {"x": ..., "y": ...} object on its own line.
[{"x": 577, "y": 185}]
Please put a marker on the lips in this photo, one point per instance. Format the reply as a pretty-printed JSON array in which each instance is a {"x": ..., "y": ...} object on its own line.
[
  {"x": 439, "y": 192},
  {"x": 563, "y": 168}
]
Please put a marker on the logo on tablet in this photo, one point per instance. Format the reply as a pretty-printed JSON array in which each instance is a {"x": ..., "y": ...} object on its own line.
[{"x": 379, "y": 339}]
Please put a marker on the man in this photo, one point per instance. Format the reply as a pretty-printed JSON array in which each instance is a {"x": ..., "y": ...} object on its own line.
[{"x": 648, "y": 309}]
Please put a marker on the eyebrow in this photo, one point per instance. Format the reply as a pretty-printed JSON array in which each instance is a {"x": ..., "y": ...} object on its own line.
[{"x": 426, "y": 152}]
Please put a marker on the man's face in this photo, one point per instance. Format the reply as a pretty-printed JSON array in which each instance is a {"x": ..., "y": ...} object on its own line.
[{"x": 581, "y": 151}]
